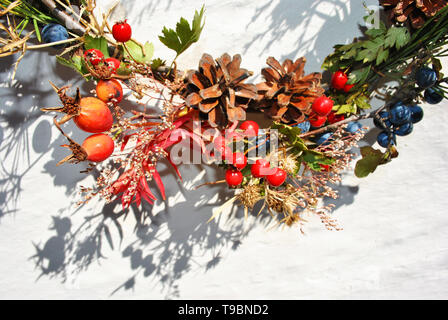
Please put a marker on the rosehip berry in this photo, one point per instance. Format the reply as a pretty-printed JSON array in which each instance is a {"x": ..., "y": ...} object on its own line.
[
  {"x": 112, "y": 64},
  {"x": 432, "y": 96},
  {"x": 239, "y": 160},
  {"x": 404, "y": 129},
  {"x": 348, "y": 87},
  {"x": 94, "y": 116},
  {"x": 94, "y": 56},
  {"x": 99, "y": 147},
  {"x": 277, "y": 178},
  {"x": 322, "y": 106},
  {"x": 304, "y": 126},
  {"x": 416, "y": 113},
  {"x": 317, "y": 121},
  {"x": 353, "y": 127},
  {"x": 325, "y": 167},
  {"x": 399, "y": 114},
  {"x": 339, "y": 80},
  {"x": 260, "y": 168},
  {"x": 122, "y": 32},
  {"x": 234, "y": 177},
  {"x": 426, "y": 77},
  {"x": 250, "y": 128},
  {"x": 109, "y": 90},
  {"x": 384, "y": 140},
  {"x": 334, "y": 118}
]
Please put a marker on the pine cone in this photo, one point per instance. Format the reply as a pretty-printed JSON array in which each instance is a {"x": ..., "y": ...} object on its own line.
[
  {"x": 416, "y": 11},
  {"x": 287, "y": 94},
  {"x": 218, "y": 90}
]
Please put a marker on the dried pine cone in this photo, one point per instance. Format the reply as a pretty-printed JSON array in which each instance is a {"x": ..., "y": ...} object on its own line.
[
  {"x": 287, "y": 94},
  {"x": 416, "y": 11},
  {"x": 218, "y": 90}
]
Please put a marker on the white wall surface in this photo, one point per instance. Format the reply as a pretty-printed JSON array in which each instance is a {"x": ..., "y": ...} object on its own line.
[{"x": 394, "y": 243}]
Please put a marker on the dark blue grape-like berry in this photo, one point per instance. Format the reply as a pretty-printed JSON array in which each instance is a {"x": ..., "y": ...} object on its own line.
[
  {"x": 384, "y": 140},
  {"x": 426, "y": 77},
  {"x": 404, "y": 130},
  {"x": 416, "y": 113},
  {"x": 384, "y": 115},
  {"x": 432, "y": 96},
  {"x": 323, "y": 139},
  {"x": 399, "y": 114},
  {"x": 353, "y": 127},
  {"x": 304, "y": 126},
  {"x": 54, "y": 32}
]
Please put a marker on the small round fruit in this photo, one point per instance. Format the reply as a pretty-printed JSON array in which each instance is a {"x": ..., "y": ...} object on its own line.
[
  {"x": 383, "y": 115},
  {"x": 334, "y": 118},
  {"x": 317, "y": 121},
  {"x": 322, "y": 106},
  {"x": 112, "y": 64},
  {"x": 108, "y": 90},
  {"x": 348, "y": 87},
  {"x": 94, "y": 116},
  {"x": 304, "y": 126},
  {"x": 239, "y": 160},
  {"x": 399, "y": 114},
  {"x": 122, "y": 32},
  {"x": 53, "y": 32},
  {"x": 94, "y": 56},
  {"x": 234, "y": 177},
  {"x": 432, "y": 96},
  {"x": 277, "y": 178},
  {"x": 260, "y": 168},
  {"x": 416, "y": 113},
  {"x": 426, "y": 77},
  {"x": 339, "y": 80},
  {"x": 404, "y": 130},
  {"x": 323, "y": 139},
  {"x": 99, "y": 147},
  {"x": 250, "y": 128},
  {"x": 353, "y": 127},
  {"x": 384, "y": 140}
]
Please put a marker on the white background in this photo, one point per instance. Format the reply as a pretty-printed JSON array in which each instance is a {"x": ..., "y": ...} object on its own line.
[{"x": 394, "y": 242}]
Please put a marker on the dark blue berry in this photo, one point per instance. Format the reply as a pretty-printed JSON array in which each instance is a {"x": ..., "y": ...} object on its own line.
[
  {"x": 323, "y": 139},
  {"x": 426, "y": 77},
  {"x": 383, "y": 115},
  {"x": 54, "y": 32},
  {"x": 404, "y": 129},
  {"x": 353, "y": 127},
  {"x": 416, "y": 113},
  {"x": 384, "y": 140},
  {"x": 304, "y": 126},
  {"x": 399, "y": 114},
  {"x": 432, "y": 96}
]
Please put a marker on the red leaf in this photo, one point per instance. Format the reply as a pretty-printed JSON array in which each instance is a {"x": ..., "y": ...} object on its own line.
[
  {"x": 159, "y": 183},
  {"x": 125, "y": 141},
  {"x": 175, "y": 169}
]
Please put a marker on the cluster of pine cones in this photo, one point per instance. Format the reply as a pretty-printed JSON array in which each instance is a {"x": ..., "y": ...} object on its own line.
[{"x": 218, "y": 90}]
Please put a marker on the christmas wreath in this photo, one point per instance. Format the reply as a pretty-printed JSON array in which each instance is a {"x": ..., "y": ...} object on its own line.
[{"x": 289, "y": 166}]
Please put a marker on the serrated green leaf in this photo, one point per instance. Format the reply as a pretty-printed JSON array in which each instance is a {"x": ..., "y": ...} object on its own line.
[
  {"x": 184, "y": 36},
  {"x": 314, "y": 159},
  {"x": 359, "y": 76},
  {"x": 346, "y": 108},
  {"x": 134, "y": 52},
  {"x": 373, "y": 33},
  {"x": 76, "y": 62},
  {"x": 362, "y": 102},
  {"x": 99, "y": 43},
  {"x": 397, "y": 37},
  {"x": 383, "y": 54},
  {"x": 371, "y": 159}
]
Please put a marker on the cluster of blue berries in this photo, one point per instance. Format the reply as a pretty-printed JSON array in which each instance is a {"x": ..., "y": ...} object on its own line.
[
  {"x": 427, "y": 79},
  {"x": 398, "y": 121}
]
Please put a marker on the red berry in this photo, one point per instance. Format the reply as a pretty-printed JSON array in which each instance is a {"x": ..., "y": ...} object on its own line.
[
  {"x": 99, "y": 147},
  {"x": 250, "y": 128},
  {"x": 348, "y": 87},
  {"x": 333, "y": 117},
  {"x": 234, "y": 177},
  {"x": 261, "y": 168},
  {"x": 94, "y": 56},
  {"x": 277, "y": 178},
  {"x": 239, "y": 160},
  {"x": 122, "y": 31},
  {"x": 94, "y": 116},
  {"x": 112, "y": 64},
  {"x": 322, "y": 105},
  {"x": 339, "y": 80},
  {"x": 317, "y": 121},
  {"x": 325, "y": 167},
  {"x": 108, "y": 90}
]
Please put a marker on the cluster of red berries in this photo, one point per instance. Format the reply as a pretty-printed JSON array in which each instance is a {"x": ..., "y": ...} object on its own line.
[{"x": 339, "y": 82}]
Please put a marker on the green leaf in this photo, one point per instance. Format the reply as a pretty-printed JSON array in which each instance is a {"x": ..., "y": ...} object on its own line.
[
  {"x": 346, "y": 108},
  {"x": 76, "y": 62},
  {"x": 36, "y": 27},
  {"x": 314, "y": 159},
  {"x": 362, "y": 102},
  {"x": 371, "y": 159},
  {"x": 184, "y": 36},
  {"x": 99, "y": 43},
  {"x": 397, "y": 37},
  {"x": 158, "y": 62},
  {"x": 383, "y": 54},
  {"x": 134, "y": 52},
  {"x": 373, "y": 33},
  {"x": 359, "y": 76}
]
